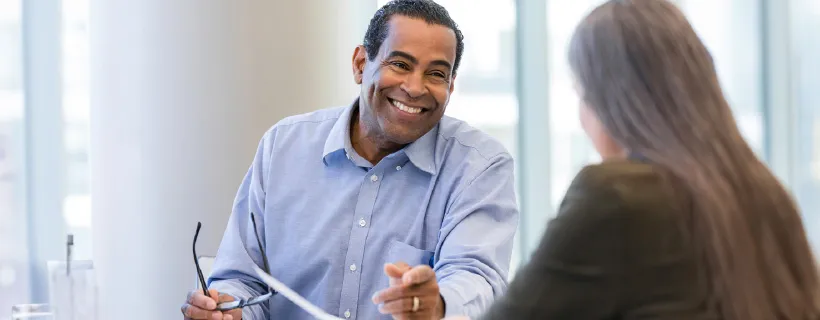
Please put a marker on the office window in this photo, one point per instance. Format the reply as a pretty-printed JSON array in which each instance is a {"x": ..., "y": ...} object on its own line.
[
  {"x": 730, "y": 29},
  {"x": 75, "y": 89},
  {"x": 14, "y": 274},
  {"x": 805, "y": 21},
  {"x": 41, "y": 161}
]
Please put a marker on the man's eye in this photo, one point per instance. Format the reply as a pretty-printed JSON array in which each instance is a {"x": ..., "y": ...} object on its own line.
[
  {"x": 401, "y": 65},
  {"x": 439, "y": 74}
]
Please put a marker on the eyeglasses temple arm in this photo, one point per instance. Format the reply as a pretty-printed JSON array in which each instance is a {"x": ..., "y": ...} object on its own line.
[
  {"x": 259, "y": 243},
  {"x": 196, "y": 262}
]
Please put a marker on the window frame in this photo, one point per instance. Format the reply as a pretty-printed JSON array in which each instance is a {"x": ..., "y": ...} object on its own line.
[{"x": 43, "y": 139}]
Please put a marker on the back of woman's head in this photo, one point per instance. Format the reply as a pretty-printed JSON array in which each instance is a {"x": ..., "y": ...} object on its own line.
[{"x": 652, "y": 84}]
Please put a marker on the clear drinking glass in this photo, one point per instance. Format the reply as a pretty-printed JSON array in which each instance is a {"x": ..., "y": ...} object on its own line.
[
  {"x": 32, "y": 312},
  {"x": 73, "y": 290}
]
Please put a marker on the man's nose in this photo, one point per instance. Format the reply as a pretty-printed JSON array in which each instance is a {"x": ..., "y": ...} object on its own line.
[{"x": 414, "y": 86}]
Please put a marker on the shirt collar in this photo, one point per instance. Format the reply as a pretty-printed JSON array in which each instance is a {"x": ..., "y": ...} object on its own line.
[
  {"x": 339, "y": 137},
  {"x": 420, "y": 152}
]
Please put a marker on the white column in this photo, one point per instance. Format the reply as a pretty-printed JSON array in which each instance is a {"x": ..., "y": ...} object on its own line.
[{"x": 182, "y": 91}]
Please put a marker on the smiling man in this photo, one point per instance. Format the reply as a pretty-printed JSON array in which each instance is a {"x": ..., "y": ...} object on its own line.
[{"x": 383, "y": 208}]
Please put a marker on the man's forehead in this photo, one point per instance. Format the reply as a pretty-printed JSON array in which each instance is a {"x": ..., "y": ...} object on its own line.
[{"x": 417, "y": 36}]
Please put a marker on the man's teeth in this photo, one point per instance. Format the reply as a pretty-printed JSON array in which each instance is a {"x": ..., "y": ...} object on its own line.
[{"x": 405, "y": 108}]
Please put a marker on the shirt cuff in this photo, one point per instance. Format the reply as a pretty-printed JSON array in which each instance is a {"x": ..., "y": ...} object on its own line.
[
  {"x": 230, "y": 288},
  {"x": 240, "y": 291},
  {"x": 453, "y": 301}
]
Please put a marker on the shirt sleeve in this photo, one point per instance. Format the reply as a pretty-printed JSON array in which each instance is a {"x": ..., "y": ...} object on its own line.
[
  {"x": 572, "y": 273},
  {"x": 477, "y": 240},
  {"x": 238, "y": 252}
]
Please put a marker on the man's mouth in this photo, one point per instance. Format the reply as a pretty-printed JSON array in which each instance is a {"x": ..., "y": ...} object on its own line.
[{"x": 403, "y": 107}]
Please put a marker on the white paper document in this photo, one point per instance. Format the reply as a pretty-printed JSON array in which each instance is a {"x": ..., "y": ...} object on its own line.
[{"x": 282, "y": 289}]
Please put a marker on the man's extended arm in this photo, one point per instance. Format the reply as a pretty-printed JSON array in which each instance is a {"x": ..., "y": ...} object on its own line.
[
  {"x": 476, "y": 240},
  {"x": 232, "y": 272}
]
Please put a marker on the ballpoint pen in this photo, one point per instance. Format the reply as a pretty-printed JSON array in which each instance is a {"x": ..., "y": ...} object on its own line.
[{"x": 68, "y": 244}]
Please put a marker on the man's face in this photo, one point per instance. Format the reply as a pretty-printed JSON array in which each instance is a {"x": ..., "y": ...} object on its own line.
[{"x": 406, "y": 87}]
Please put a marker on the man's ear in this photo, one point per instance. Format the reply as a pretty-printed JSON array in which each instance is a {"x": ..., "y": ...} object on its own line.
[
  {"x": 453, "y": 83},
  {"x": 359, "y": 59}
]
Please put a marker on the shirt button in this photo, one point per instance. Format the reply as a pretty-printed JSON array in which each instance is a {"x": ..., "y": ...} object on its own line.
[
  {"x": 398, "y": 168},
  {"x": 347, "y": 314},
  {"x": 352, "y": 267},
  {"x": 374, "y": 178},
  {"x": 362, "y": 223}
]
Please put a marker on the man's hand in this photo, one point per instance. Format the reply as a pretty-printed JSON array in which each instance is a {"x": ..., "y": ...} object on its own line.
[
  {"x": 200, "y": 307},
  {"x": 406, "y": 284}
]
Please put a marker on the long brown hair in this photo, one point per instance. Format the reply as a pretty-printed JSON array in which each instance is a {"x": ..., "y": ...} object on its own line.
[{"x": 652, "y": 83}]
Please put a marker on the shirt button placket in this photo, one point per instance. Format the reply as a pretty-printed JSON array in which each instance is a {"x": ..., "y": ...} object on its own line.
[{"x": 363, "y": 217}]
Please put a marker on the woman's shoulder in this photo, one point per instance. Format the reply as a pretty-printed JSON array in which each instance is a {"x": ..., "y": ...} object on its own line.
[
  {"x": 612, "y": 172},
  {"x": 637, "y": 206},
  {"x": 624, "y": 176},
  {"x": 631, "y": 185}
]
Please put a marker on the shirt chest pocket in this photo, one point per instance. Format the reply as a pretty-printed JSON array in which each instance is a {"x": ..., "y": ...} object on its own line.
[{"x": 402, "y": 252}]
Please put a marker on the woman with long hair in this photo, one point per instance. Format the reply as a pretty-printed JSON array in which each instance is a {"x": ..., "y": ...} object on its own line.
[{"x": 681, "y": 220}]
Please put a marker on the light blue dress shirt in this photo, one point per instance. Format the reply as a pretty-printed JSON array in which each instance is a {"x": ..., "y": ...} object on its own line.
[{"x": 330, "y": 220}]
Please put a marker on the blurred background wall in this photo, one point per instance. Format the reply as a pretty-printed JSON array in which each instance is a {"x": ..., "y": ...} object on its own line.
[{"x": 126, "y": 122}]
